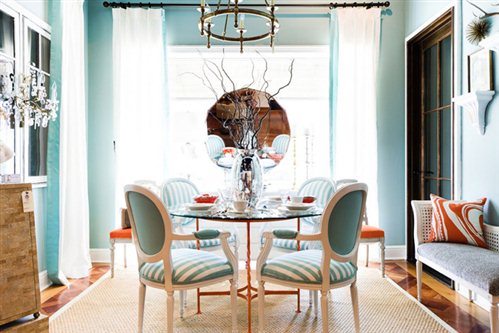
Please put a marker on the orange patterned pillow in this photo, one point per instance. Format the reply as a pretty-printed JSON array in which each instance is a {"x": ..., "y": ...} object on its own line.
[{"x": 457, "y": 221}]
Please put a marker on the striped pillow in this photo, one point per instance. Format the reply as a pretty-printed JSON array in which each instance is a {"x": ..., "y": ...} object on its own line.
[{"x": 457, "y": 221}]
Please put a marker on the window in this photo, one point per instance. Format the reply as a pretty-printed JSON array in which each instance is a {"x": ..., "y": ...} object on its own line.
[
  {"x": 38, "y": 63},
  {"x": 24, "y": 48},
  {"x": 306, "y": 102}
]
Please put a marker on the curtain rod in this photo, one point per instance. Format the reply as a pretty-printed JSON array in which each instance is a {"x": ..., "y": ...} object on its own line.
[{"x": 331, "y": 5}]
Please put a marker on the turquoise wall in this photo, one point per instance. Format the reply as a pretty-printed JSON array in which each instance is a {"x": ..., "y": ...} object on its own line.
[
  {"x": 479, "y": 153},
  {"x": 296, "y": 29}
]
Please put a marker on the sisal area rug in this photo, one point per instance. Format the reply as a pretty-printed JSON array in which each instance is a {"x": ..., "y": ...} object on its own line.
[{"x": 111, "y": 306}]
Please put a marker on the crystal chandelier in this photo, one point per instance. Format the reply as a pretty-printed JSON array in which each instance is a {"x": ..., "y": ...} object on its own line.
[{"x": 231, "y": 15}]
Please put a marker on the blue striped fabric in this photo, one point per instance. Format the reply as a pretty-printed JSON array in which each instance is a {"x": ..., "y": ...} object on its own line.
[
  {"x": 290, "y": 244},
  {"x": 320, "y": 188},
  {"x": 305, "y": 267},
  {"x": 189, "y": 266},
  {"x": 215, "y": 146},
  {"x": 179, "y": 191},
  {"x": 280, "y": 144}
]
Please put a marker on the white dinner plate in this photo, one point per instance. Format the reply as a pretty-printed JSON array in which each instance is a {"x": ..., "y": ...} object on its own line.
[
  {"x": 299, "y": 206},
  {"x": 199, "y": 206}
]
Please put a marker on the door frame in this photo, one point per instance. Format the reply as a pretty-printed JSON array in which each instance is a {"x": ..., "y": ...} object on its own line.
[{"x": 452, "y": 12}]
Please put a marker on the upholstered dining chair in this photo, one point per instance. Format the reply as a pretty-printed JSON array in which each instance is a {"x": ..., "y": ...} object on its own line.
[
  {"x": 334, "y": 266},
  {"x": 322, "y": 189},
  {"x": 280, "y": 144},
  {"x": 369, "y": 234},
  {"x": 214, "y": 146},
  {"x": 174, "y": 269},
  {"x": 178, "y": 191}
]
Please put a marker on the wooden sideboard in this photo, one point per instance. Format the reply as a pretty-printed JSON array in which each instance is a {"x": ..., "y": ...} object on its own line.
[{"x": 19, "y": 287}]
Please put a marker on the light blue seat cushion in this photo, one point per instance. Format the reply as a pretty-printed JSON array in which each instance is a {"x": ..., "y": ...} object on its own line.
[
  {"x": 305, "y": 267},
  {"x": 189, "y": 266},
  {"x": 477, "y": 265}
]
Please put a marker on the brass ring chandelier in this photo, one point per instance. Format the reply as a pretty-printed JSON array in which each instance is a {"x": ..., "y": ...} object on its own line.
[{"x": 232, "y": 9}]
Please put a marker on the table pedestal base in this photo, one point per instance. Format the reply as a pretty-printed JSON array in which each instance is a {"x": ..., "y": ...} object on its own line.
[{"x": 251, "y": 292}]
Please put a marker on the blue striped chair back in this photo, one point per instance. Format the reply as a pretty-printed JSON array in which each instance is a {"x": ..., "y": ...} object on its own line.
[
  {"x": 322, "y": 189},
  {"x": 178, "y": 191},
  {"x": 280, "y": 144},
  {"x": 214, "y": 146}
]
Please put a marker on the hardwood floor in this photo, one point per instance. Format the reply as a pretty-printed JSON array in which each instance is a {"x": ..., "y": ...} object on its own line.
[
  {"x": 55, "y": 297},
  {"x": 454, "y": 309}
]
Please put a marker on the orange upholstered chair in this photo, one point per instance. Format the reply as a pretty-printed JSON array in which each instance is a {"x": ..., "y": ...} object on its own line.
[
  {"x": 371, "y": 234},
  {"x": 120, "y": 235}
]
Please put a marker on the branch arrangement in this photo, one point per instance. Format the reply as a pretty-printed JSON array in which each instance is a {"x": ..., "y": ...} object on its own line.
[
  {"x": 245, "y": 116},
  {"x": 480, "y": 27}
]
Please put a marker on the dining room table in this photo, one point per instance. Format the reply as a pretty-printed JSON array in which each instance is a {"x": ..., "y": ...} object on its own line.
[{"x": 249, "y": 217}]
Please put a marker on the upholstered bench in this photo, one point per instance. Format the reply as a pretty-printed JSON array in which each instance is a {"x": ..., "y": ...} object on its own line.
[{"x": 475, "y": 268}]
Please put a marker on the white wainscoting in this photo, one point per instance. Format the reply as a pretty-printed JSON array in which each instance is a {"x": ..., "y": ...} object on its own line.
[{"x": 44, "y": 281}]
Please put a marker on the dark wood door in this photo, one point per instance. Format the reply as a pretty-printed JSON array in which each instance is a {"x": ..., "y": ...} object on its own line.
[{"x": 429, "y": 118}]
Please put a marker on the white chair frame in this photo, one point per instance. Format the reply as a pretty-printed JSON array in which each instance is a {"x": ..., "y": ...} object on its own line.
[
  {"x": 164, "y": 255},
  {"x": 423, "y": 211},
  {"x": 112, "y": 248},
  {"x": 381, "y": 241},
  {"x": 327, "y": 255}
]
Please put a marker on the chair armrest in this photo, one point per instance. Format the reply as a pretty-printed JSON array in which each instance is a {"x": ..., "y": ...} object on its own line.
[
  {"x": 207, "y": 234},
  {"x": 290, "y": 234},
  {"x": 284, "y": 233},
  {"x": 491, "y": 234}
]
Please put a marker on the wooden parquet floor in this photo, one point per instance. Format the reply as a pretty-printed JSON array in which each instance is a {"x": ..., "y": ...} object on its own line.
[{"x": 454, "y": 309}]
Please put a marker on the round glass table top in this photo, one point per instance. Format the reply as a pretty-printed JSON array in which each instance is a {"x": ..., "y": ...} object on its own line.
[{"x": 219, "y": 213}]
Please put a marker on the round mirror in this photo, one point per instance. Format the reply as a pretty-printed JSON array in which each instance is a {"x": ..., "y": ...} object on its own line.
[{"x": 247, "y": 119}]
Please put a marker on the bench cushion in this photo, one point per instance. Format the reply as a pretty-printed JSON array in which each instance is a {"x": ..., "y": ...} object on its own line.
[{"x": 478, "y": 266}]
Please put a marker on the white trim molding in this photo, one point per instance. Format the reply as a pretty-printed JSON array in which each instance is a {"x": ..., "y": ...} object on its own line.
[
  {"x": 43, "y": 280},
  {"x": 392, "y": 252},
  {"x": 100, "y": 256}
]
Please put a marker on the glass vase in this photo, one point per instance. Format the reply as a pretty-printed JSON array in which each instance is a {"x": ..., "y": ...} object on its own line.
[{"x": 247, "y": 175}]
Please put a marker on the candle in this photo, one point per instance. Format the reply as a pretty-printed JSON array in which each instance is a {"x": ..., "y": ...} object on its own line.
[{"x": 241, "y": 18}]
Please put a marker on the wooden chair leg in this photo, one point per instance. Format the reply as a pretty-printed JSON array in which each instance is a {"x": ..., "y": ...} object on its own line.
[
  {"x": 310, "y": 297},
  {"x": 324, "y": 311},
  {"x": 382, "y": 256},
  {"x": 233, "y": 304},
  {"x": 181, "y": 303},
  {"x": 419, "y": 278},
  {"x": 367, "y": 255},
  {"x": 142, "y": 298},
  {"x": 355, "y": 305},
  {"x": 124, "y": 254},
  {"x": 261, "y": 304},
  {"x": 169, "y": 312},
  {"x": 494, "y": 328},
  {"x": 111, "y": 248},
  {"x": 316, "y": 302}
]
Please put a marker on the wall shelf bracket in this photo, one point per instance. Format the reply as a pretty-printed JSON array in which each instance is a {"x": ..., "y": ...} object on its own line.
[
  {"x": 491, "y": 42},
  {"x": 475, "y": 103}
]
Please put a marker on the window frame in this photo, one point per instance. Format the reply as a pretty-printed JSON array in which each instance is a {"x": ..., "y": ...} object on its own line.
[{"x": 23, "y": 21}]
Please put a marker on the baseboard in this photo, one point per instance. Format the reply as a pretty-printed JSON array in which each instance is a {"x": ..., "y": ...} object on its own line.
[
  {"x": 392, "y": 252},
  {"x": 43, "y": 280},
  {"x": 100, "y": 256}
]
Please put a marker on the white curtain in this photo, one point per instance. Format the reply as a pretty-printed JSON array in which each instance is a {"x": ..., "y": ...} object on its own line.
[
  {"x": 139, "y": 96},
  {"x": 74, "y": 216},
  {"x": 355, "y": 122}
]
